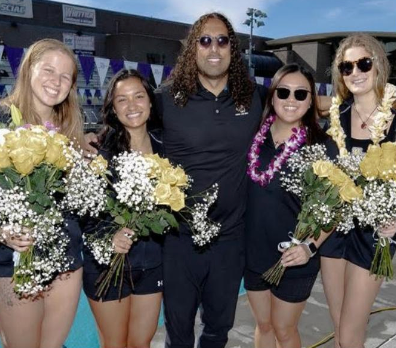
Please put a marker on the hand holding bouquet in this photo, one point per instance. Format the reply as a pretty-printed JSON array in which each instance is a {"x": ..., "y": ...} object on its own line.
[
  {"x": 33, "y": 161},
  {"x": 146, "y": 195},
  {"x": 377, "y": 208},
  {"x": 324, "y": 189}
]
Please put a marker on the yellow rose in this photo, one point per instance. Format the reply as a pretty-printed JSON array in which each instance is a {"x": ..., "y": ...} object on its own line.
[
  {"x": 36, "y": 143},
  {"x": 154, "y": 166},
  {"x": 98, "y": 165},
  {"x": 163, "y": 193},
  {"x": 323, "y": 168},
  {"x": 387, "y": 165},
  {"x": 168, "y": 176},
  {"x": 57, "y": 150},
  {"x": 22, "y": 160},
  {"x": 369, "y": 167},
  {"x": 176, "y": 200},
  {"x": 374, "y": 151},
  {"x": 338, "y": 177},
  {"x": 389, "y": 150},
  {"x": 387, "y": 169},
  {"x": 5, "y": 161},
  {"x": 163, "y": 163},
  {"x": 350, "y": 191},
  {"x": 15, "y": 139},
  {"x": 182, "y": 178},
  {"x": 369, "y": 164}
]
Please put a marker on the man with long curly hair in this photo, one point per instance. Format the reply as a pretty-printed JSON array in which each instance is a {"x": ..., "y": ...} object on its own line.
[{"x": 210, "y": 112}]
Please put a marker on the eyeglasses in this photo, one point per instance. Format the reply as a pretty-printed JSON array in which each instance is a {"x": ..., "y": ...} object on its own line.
[
  {"x": 299, "y": 94},
  {"x": 206, "y": 41},
  {"x": 364, "y": 64}
]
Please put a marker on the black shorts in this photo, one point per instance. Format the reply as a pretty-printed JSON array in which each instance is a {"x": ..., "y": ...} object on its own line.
[
  {"x": 292, "y": 290},
  {"x": 148, "y": 281}
]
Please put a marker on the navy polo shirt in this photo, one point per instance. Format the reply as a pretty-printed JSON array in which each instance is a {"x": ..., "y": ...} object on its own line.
[{"x": 210, "y": 138}]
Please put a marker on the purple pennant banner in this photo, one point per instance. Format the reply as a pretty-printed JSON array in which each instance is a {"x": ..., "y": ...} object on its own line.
[
  {"x": 87, "y": 66},
  {"x": 144, "y": 69},
  {"x": 167, "y": 71},
  {"x": 14, "y": 55},
  {"x": 322, "y": 89},
  {"x": 116, "y": 65}
]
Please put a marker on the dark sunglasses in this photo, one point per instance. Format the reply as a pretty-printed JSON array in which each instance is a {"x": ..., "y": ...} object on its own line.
[
  {"x": 364, "y": 64},
  {"x": 299, "y": 94},
  {"x": 206, "y": 41}
]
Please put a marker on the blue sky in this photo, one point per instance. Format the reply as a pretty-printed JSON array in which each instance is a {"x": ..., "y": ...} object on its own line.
[{"x": 285, "y": 17}]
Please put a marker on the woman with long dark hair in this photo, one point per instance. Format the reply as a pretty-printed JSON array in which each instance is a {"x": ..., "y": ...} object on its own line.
[
  {"x": 127, "y": 317},
  {"x": 289, "y": 122}
]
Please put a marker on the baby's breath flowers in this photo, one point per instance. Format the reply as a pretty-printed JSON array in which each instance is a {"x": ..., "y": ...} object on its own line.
[
  {"x": 146, "y": 194},
  {"x": 324, "y": 190},
  {"x": 84, "y": 186}
]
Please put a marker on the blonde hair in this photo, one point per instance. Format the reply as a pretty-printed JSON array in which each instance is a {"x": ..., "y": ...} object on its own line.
[
  {"x": 67, "y": 114},
  {"x": 381, "y": 64}
]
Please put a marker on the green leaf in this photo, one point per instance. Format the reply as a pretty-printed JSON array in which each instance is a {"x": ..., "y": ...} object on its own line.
[
  {"x": 38, "y": 179},
  {"x": 171, "y": 219},
  {"x": 119, "y": 220},
  {"x": 43, "y": 200},
  {"x": 38, "y": 208},
  {"x": 12, "y": 174},
  {"x": 145, "y": 232},
  {"x": 156, "y": 227}
]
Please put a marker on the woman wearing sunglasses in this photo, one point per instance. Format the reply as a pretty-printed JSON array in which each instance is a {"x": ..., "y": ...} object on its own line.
[
  {"x": 289, "y": 122},
  {"x": 360, "y": 72}
]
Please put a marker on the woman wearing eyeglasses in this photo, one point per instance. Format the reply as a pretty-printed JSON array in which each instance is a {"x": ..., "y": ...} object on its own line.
[
  {"x": 360, "y": 72},
  {"x": 289, "y": 123}
]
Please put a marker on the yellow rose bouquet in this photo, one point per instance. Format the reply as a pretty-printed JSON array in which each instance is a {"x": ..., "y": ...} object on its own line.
[
  {"x": 146, "y": 194},
  {"x": 33, "y": 163},
  {"x": 326, "y": 191},
  {"x": 377, "y": 208},
  {"x": 42, "y": 176}
]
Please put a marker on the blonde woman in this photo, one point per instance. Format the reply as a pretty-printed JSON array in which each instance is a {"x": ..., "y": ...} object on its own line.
[
  {"x": 45, "y": 91},
  {"x": 360, "y": 74}
]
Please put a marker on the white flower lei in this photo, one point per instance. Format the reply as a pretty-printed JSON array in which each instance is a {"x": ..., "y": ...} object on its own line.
[{"x": 377, "y": 129}]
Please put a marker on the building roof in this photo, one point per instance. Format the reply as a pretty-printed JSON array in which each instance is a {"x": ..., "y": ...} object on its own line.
[{"x": 384, "y": 36}]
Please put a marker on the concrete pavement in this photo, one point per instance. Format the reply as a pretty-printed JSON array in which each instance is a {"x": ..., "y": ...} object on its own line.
[{"x": 315, "y": 323}]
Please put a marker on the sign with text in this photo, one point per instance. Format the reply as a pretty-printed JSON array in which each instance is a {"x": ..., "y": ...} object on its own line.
[
  {"x": 75, "y": 42},
  {"x": 79, "y": 15},
  {"x": 17, "y": 8}
]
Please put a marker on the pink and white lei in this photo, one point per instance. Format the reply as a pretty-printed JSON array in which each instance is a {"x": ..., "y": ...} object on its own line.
[{"x": 296, "y": 140}]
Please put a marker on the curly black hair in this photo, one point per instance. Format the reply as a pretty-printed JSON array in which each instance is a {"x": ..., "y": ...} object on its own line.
[
  {"x": 118, "y": 137},
  {"x": 184, "y": 77}
]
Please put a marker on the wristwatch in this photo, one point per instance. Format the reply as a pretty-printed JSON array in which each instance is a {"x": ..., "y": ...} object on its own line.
[{"x": 311, "y": 247}]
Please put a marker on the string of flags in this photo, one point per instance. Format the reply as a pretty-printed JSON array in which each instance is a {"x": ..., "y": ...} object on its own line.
[
  {"x": 95, "y": 90},
  {"x": 154, "y": 72}
]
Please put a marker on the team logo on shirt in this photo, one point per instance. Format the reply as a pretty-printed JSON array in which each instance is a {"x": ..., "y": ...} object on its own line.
[
  {"x": 160, "y": 283},
  {"x": 241, "y": 111}
]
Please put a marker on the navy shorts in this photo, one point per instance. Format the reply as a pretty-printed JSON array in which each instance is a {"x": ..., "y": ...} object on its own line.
[
  {"x": 293, "y": 290},
  {"x": 148, "y": 281}
]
